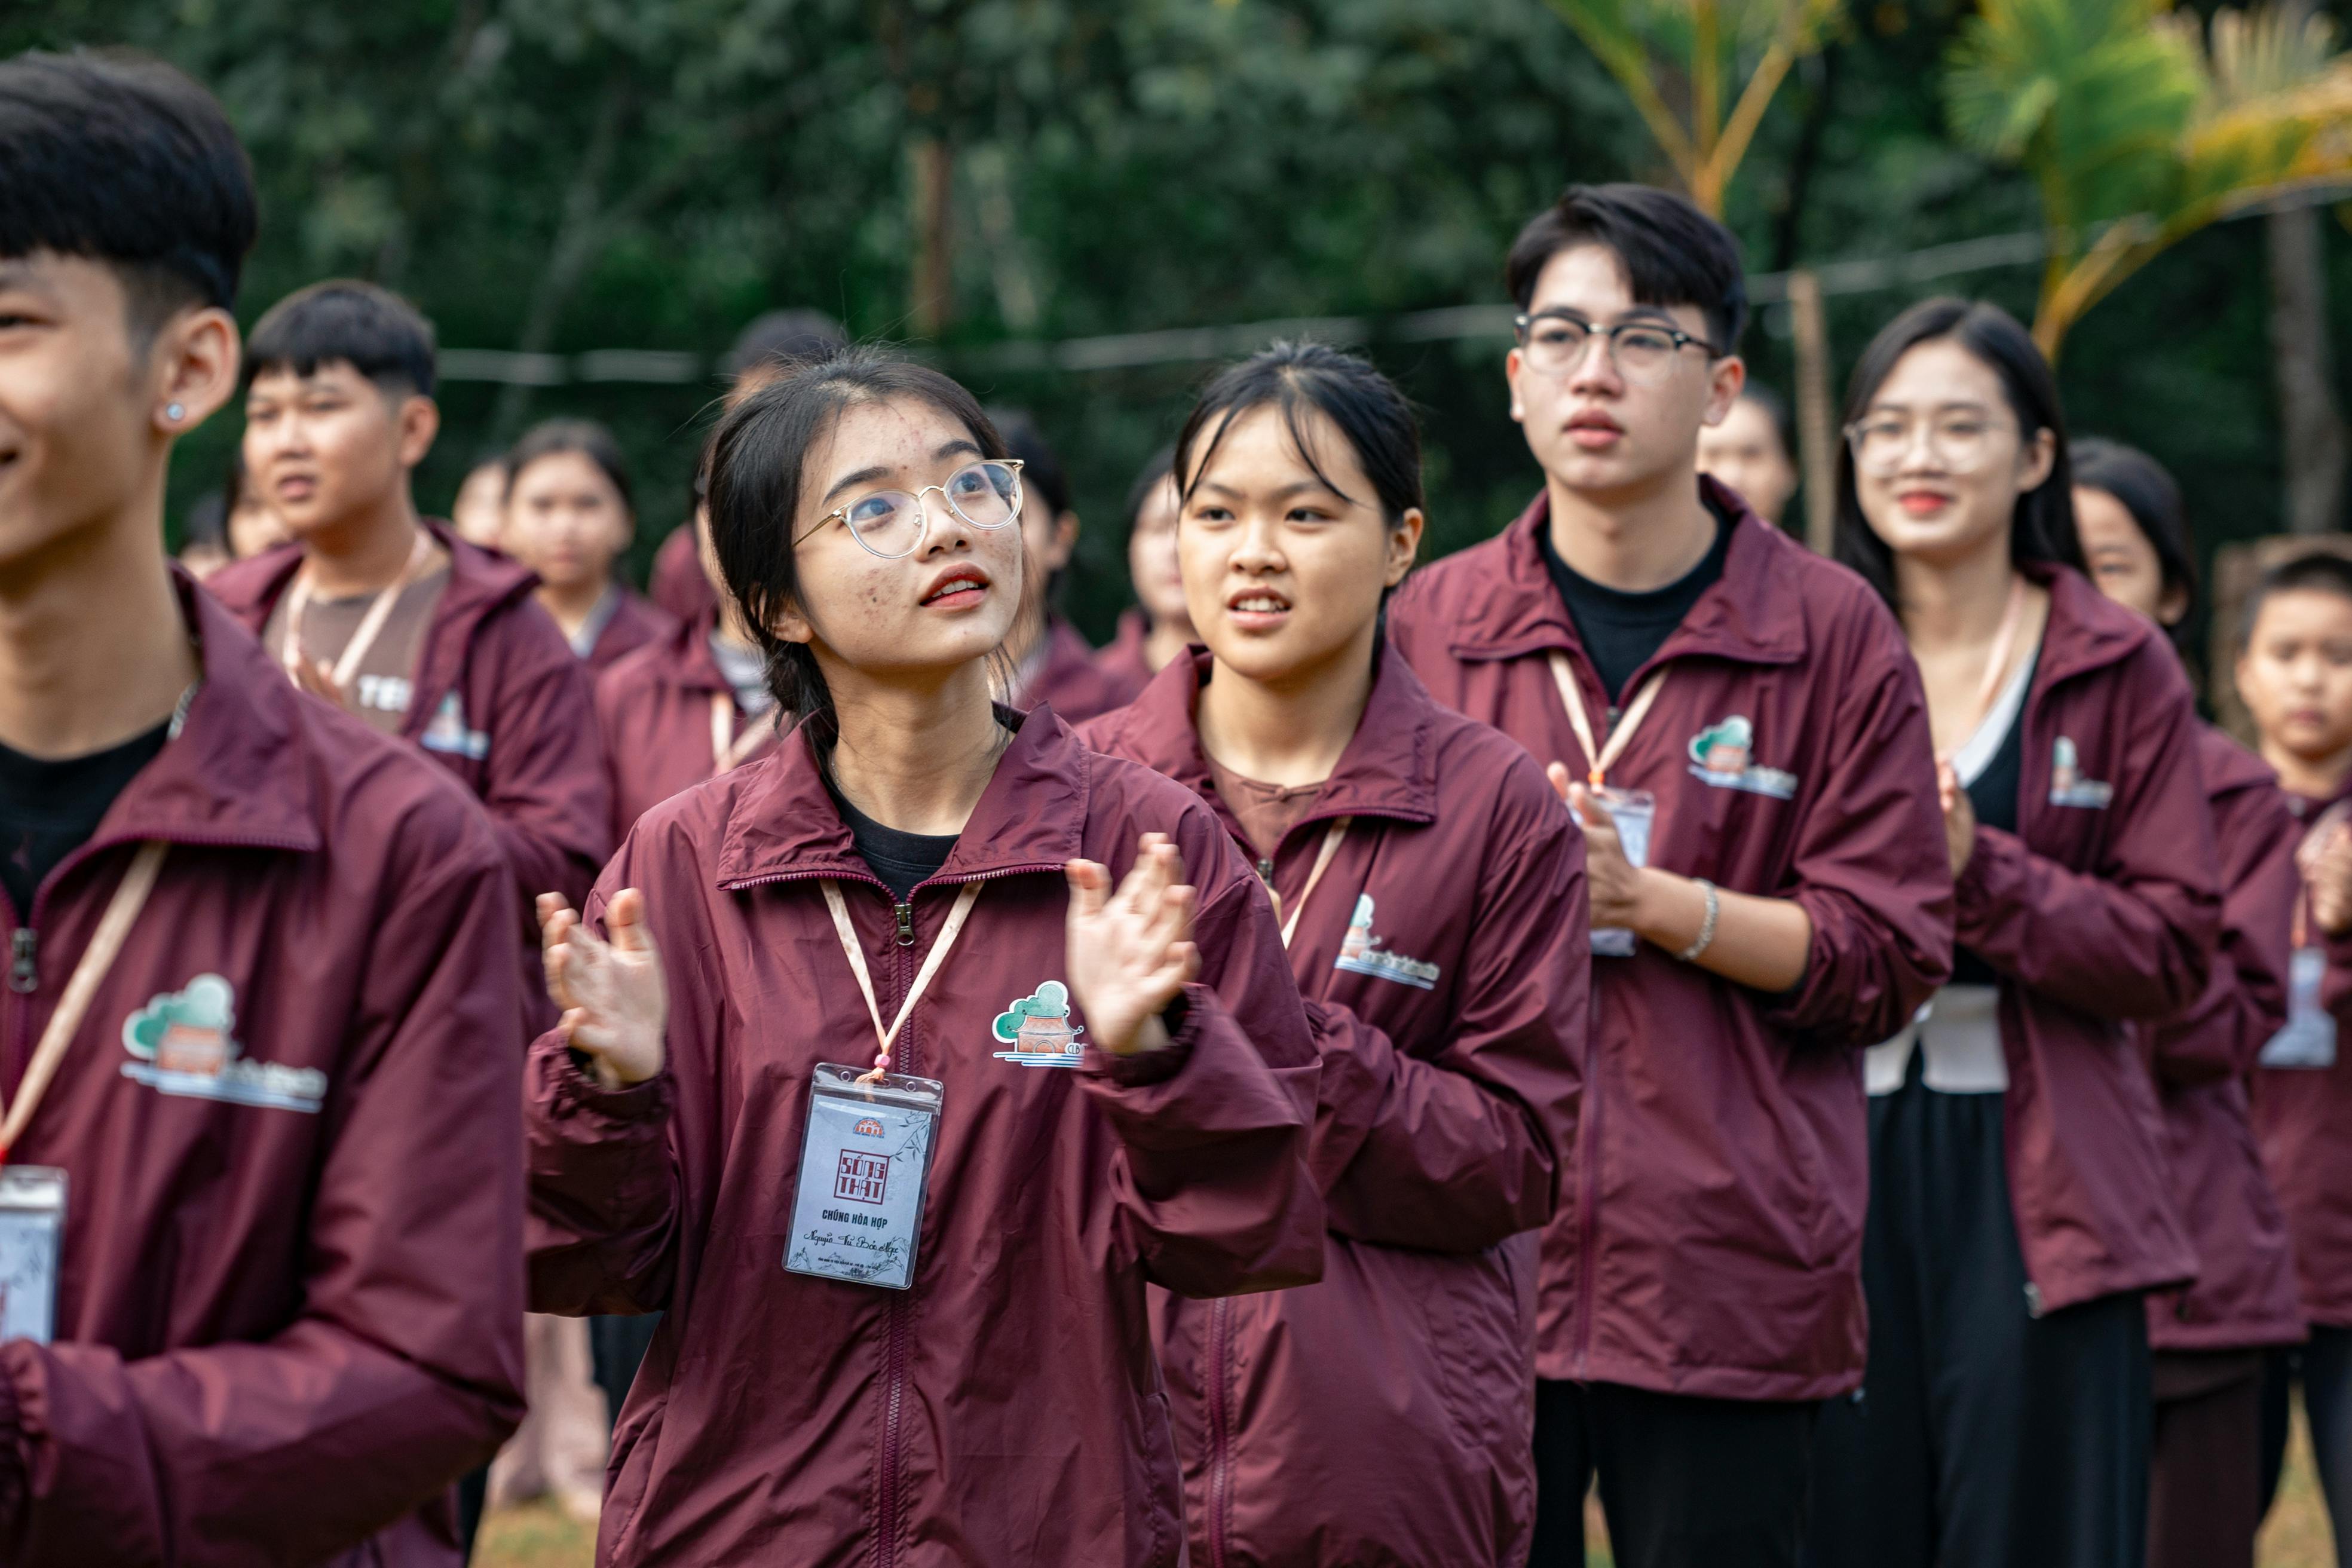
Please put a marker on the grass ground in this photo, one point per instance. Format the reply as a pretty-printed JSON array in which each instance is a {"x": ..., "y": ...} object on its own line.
[{"x": 539, "y": 1536}]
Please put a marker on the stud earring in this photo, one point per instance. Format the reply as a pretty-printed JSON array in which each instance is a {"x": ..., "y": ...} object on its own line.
[{"x": 174, "y": 412}]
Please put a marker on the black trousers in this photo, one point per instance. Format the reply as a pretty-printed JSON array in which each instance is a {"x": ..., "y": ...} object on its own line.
[
  {"x": 1684, "y": 1482},
  {"x": 2205, "y": 1494},
  {"x": 2324, "y": 1367},
  {"x": 615, "y": 1347},
  {"x": 1985, "y": 1436}
]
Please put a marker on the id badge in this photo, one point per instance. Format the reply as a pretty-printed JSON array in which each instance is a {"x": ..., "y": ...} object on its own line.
[
  {"x": 857, "y": 1210},
  {"x": 2308, "y": 1041},
  {"x": 32, "y": 1243},
  {"x": 1631, "y": 811}
]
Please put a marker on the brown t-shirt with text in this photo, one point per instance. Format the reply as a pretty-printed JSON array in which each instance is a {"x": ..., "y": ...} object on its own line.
[{"x": 385, "y": 680}]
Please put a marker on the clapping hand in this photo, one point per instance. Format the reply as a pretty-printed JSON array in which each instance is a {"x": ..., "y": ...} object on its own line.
[
  {"x": 2325, "y": 858},
  {"x": 615, "y": 1004},
  {"x": 1130, "y": 951}
]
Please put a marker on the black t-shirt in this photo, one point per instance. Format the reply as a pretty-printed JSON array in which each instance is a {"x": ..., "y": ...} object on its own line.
[
  {"x": 49, "y": 809},
  {"x": 900, "y": 859},
  {"x": 1619, "y": 630},
  {"x": 1994, "y": 797}
]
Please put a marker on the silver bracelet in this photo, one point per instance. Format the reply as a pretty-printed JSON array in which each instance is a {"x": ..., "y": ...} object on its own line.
[{"x": 1707, "y": 926}]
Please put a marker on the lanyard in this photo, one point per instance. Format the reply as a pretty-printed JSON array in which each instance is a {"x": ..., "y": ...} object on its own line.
[
  {"x": 2012, "y": 616},
  {"x": 1339, "y": 830},
  {"x": 105, "y": 944},
  {"x": 362, "y": 636},
  {"x": 931, "y": 961},
  {"x": 727, "y": 747},
  {"x": 1600, "y": 759}
]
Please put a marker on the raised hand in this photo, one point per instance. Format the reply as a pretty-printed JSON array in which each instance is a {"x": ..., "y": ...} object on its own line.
[
  {"x": 1611, "y": 882},
  {"x": 316, "y": 677},
  {"x": 1129, "y": 952},
  {"x": 615, "y": 1004},
  {"x": 2325, "y": 858},
  {"x": 1960, "y": 817}
]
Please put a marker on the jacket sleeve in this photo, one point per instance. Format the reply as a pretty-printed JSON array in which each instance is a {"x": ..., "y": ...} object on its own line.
[
  {"x": 2133, "y": 937},
  {"x": 604, "y": 1174},
  {"x": 2244, "y": 1002},
  {"x": 1212, "y": 1189},
  {"x": 402, "y": 1365},
  {"x": 1458, "y": 1150},
  {"x": 544, "y": 778},
  {"x": 1869, "y": 868}
]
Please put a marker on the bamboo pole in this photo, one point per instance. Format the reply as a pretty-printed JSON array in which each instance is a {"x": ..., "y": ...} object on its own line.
[{"x": 1816, "y": 423}]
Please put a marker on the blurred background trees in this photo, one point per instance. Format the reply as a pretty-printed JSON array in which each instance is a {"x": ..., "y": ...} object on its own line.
[{"x": 550, "y": 179}]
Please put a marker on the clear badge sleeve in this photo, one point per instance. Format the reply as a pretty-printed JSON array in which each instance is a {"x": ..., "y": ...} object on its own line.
[
  {"x": 857, "y": 1208},
  {"x": 32, "y": 1245}
]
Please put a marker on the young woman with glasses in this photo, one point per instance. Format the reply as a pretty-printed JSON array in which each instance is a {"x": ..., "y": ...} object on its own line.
[
  {"x": 905, "y": 1314},
  {"x": 2019, "y": 1203}
]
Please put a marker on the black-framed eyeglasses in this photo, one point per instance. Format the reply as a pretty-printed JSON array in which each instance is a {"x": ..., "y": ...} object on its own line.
[
  {"x": 1554, "y": 344},
  {"x": 891, "y": 523}
]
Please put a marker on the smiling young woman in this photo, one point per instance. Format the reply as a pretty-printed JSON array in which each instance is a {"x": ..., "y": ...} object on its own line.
[
  {"x": 941, "y": 1336},
  {"x": 2020, "y": 1205},
  {"x": 1434, "y": 891}
]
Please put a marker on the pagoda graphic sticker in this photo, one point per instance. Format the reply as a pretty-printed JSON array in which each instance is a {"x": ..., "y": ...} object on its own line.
[
  {"x": 1360, "y": 952},
  {"x": 1724, "y": 755},
  {"x": 182, "y": 1042},
  {"x": 2067, "y": 785},
  {"x": 1038, "y": 1029}
]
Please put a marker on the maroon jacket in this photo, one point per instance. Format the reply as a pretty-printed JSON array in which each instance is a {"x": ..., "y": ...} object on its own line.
[
  {"x": 1381, "y": 1416},
  {"x": 283, "y": 1327},
  {"x": 500, "y": 702},
  {"x": 652, "y": 714},
  {"x": 2245, "y": 1291},
  {"x": 679, "y": 587},
  {"x": 634, "y": 622},
  {"x": 2303, "y": 1119},
  {"x": 1066, "y": 679},
  {"x": 1710, "y": 1243},
  {"x": 1008, "y": 1408},
  {"x": 2102, "y": 910},
  {"x": 1120, "y": 663}
]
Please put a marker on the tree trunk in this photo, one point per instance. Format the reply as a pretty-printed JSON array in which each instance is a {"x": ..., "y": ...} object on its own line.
[
  {"x": 578, "y": 236},
  {"x": 2309, "y": 422},
  {"x": 934, "y": 170},
  {"x": 1816, "y": 422}
]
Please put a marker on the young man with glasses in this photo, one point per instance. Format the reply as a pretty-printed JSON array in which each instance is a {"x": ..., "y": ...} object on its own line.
[{"x": 1740, "y": 730}]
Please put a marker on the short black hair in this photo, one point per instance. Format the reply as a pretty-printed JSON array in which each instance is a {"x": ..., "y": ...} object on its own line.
[
  {"x": 2320, "y": 572},
  {"x": 121, "y": 159},
  {"x": 1155, "y": 473},
  {"x": 1042, "y": 473},
  {"x": 783, "y": 338},
  {"x": 1371, "y": 416},
  {"x": 1673, "y": 253},
  {"x": 590, "y": 440},
  {"x": 2143, "y": 488},
  {"x": 371, "y": 329},
  {"x": 2042, "y": 525}
]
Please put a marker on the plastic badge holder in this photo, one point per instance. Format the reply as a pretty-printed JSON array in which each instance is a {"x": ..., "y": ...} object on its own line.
[
  {"x": 857, "y": 1209},
  {"x": 32, "y": 1242},
  {"x": 1632, "y": 810},
  {"x": 2308, "y": 1041}
]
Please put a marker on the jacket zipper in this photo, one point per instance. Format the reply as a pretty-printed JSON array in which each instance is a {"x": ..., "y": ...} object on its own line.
[
  {"x": 895, "y": 1309},
  {"x": 1221, "y": 1332}
]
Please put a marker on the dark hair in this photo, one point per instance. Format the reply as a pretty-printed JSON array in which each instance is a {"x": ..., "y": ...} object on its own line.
[
  {"x": 2041, "y": 529},
  {"x": 206, "y": 522},
  {"x": 2140, "y": 484},
  {"x": 1155, "y": 473},
  {"x": 1776, "y": 409},
  {"x": 374, "y": 329},
  {"x": 1673, "y": 253},
  {"x": 757, "y": 464},
  {"x": 1042, "y": 473},
  {"x": 1365, "y": 406},
  {"x": 122, "y": 160},
  {"x": 2319, "y": 572},
  {"x": 780, "y": 337},
  {"x": 551, "y": 438}
]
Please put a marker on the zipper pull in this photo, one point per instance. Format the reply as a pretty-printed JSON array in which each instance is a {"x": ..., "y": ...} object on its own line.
[
  {"x": 1265, "y": 872},
  {"x": 906, "y": 913},
  {"x": 24, "y": 956}
]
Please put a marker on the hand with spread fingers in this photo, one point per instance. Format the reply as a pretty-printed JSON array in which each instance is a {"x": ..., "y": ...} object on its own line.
[
  {"x": 1130, "y": 951},
  {"x": 615, "y": 1003},
  {"x": 2325, "y": 858}
]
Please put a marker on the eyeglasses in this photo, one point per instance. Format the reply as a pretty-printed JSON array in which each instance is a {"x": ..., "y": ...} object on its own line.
[
  {"x": 1957, "y": 442},
  {"x": 1642, "y": 352},
  {"x": 891, "y": 523}
]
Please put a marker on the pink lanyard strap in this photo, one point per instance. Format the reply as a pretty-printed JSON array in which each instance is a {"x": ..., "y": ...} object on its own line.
[
  {"x": 728, "y": 748},
  {"x": 371, "y": 625},
  {"x": 1598, "y": 760},
  {"x": 1339, "y": 830},
  {"x": 931, "y": 961}
]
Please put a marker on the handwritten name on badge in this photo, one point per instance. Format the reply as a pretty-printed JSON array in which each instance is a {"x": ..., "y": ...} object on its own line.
[{"x": 857, "y": 1208}]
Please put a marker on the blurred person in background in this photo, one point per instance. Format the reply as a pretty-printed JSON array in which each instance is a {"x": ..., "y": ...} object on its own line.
[
  {"x": 265, "y": 953},
  {"x": 254, "y": 527},
  {"x": 766, "y": 345},
  {"x": 1051, "y": 662},
  {"x": 2021, "y": 1201},
  {"x": 1159, "y": 627},
  {"x": 203, "y": 535},
  {"x": 1752, "y": 452},
  {"x": 2205, "y": 1494},
  {"x": 2294, "y": 674},
  {"x": 569, "y": 517},
  {"x": 478, "y": 514},
  {"x": 396, "y": 620}
]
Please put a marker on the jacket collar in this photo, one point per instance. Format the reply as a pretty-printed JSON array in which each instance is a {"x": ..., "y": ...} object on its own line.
[
  {"x": 1389, "y": 768},
  {"x": 1751, "y": 614},
  {"x": 239, "y": 772},
  {"x": 783, "y": 823},
  {"x": 687, "y": 661},
  {"x": 2086, "y": 631}
]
